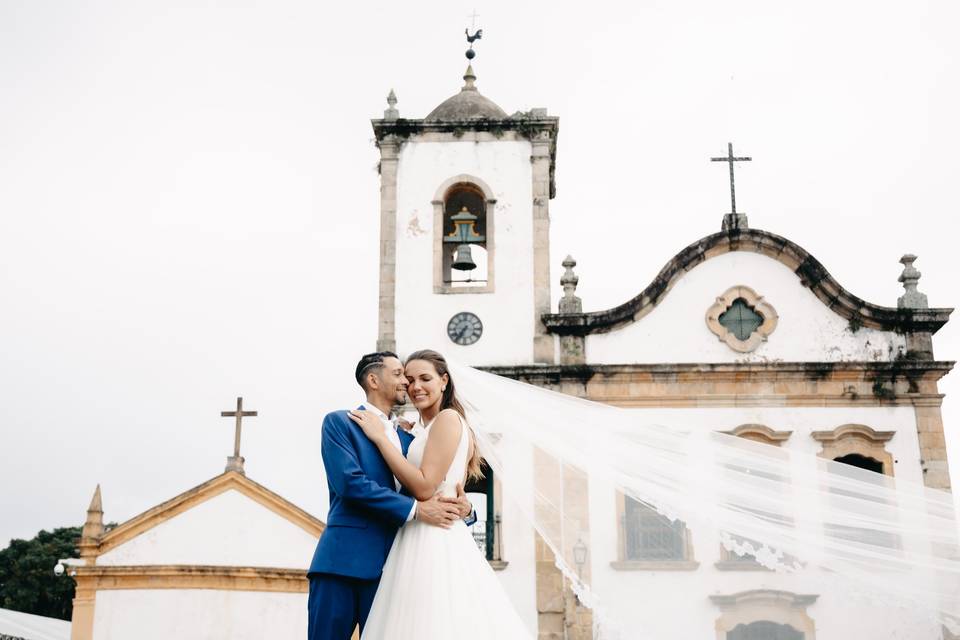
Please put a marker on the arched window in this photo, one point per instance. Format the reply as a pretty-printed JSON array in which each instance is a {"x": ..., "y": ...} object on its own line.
[
  {"x": 729, "y": 560},
  {"x": 859, "y": 447},
  {"x": 764, "y": 614},
  {"x": 463, "y": 237},
  {"x": 861, "y": 462},
  {"x": 764, "y": 630}
]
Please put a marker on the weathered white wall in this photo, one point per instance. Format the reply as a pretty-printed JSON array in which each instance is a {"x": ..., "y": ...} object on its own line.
[
  {"x": 229, "y": 529},
  {"x": 507, "y": 313},
  {"x": 676, "y": 330},
  {"x": 199, "y": 614},
  {"x": 675, "y": 604}
]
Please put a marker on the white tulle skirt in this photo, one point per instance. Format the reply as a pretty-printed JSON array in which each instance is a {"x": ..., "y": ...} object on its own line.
[{"x": 437, "y": 585}]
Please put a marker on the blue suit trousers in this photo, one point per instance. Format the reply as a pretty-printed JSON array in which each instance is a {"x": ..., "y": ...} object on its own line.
[{"x": 337, "y": 604}]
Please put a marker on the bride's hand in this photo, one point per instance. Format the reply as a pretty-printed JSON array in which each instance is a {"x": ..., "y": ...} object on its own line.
[{"x": 371, "y": 424}]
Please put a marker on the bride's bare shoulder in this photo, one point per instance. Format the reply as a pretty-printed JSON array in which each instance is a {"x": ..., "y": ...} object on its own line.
[{"x": 448, "y": 420}]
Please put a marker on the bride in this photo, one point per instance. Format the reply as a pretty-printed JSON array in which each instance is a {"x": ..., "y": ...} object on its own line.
[{"x": 435, "y": 582}]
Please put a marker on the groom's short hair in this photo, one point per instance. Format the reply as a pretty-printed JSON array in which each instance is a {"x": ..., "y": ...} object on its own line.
[{"x": 371, "y": 362}]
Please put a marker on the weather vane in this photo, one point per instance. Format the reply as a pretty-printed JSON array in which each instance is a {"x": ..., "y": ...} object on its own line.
[{"x": 471, "y": 54}]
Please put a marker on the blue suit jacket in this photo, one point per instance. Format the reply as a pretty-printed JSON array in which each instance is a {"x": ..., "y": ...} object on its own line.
[{"x": 365, "y": 508}]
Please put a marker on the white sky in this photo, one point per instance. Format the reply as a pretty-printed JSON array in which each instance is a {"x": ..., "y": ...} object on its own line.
[{"x": 189, "y": 200}]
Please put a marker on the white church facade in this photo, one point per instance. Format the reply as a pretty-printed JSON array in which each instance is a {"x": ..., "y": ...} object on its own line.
[
  {"x": 196, "y": 566},
  {"x": 742, "y": 332}
]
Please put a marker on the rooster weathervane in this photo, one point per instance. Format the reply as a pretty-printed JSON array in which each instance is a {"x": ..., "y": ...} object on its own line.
[{"x": 471, "y": 54}]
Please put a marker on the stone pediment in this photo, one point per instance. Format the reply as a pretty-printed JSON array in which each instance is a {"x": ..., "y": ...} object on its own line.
[
  {"x": 218, "y": 487},
  {"x": 811, "y": 273}
]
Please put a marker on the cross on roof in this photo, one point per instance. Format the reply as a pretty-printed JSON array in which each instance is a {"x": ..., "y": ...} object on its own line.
[
  {"x": 235, "y": 462},
  {"x": 730, "y": 159},
  {"x": 473, "y": 19}
]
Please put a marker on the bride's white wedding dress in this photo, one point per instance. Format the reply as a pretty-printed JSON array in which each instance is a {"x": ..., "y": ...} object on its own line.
[{"x": 436, "y": 584}]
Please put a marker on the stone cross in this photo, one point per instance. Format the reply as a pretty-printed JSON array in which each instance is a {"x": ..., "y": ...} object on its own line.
[
  {"x": 235, "y": 462},
  {"x": 730, "y": 159}
]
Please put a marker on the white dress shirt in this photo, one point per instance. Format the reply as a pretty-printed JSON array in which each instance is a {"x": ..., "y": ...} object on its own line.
[{"x": 391, "y": 428}]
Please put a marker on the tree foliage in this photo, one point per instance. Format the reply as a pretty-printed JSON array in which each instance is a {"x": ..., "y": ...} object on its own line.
[{"x": 27, "y": 581}]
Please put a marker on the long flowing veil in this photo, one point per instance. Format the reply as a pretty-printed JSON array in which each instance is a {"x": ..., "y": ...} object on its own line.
[{"x": 817, "y": 524}]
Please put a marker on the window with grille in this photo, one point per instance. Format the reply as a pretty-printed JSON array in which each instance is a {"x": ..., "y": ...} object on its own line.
[{"x": 651, "y": 536}]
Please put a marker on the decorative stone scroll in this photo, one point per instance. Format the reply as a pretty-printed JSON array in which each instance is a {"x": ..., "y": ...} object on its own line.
[{"x": 757, "y": 304}]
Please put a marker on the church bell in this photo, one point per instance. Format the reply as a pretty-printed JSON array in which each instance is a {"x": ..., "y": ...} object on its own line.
[
  {"x": 463, "y": 259},
  {"x": 464, "y": 234}
]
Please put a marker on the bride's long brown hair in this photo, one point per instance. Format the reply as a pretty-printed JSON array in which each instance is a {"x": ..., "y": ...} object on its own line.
[{"x": 449, "y": 400}]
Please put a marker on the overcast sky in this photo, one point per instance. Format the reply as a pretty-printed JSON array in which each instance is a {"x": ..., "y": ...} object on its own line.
[{"x": 189, "y": 198}]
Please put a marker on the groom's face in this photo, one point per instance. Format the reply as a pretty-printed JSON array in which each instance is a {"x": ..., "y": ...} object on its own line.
[{"x": 393, "y": 381}]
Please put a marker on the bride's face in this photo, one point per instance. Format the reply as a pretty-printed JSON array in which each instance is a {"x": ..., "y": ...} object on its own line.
[{"x": 424, "y": 385}]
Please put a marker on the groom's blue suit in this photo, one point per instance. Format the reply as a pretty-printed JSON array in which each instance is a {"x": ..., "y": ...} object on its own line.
[{"x": 365, "y": 513}]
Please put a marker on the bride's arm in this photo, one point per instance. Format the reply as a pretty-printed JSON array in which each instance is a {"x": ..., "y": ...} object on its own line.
[{"x": 437, "y": 457}]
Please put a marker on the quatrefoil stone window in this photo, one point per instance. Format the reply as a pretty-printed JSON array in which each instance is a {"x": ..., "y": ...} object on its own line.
[{"x": 741, "y": 318}]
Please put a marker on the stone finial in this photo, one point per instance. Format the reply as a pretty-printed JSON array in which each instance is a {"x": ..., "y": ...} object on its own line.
[
  {"x": 391, "y": 112},
  {"x": 733, "y": 221},
  {"x": 469, "y": 79},
  {"x": 570, "y": 303},
  {"x": 93, "y": 527},
  {"x": 911, "y": 299}
]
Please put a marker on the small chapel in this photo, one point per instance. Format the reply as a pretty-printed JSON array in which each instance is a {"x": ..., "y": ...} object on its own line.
[
  {"x": 195, "y": 566},
  {"x": 742, "y": 331}
]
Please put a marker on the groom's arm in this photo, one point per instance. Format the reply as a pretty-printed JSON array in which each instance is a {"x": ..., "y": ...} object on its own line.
[{"x": 351, "y": 483}]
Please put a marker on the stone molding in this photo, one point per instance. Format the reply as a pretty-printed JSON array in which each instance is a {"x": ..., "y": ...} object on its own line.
[
  {"x": 781, "y": 607},
  {"x": 809, "y": 270},
  {"x": 201, "y": 493},
  {"x": 859, "y": 439},
  {"x": 655, "y": 565},
  {"x": 760, "y": 433},
  {"x": 762, "y": 307},
  {"x": 743, "y": 384},
  {"x": 438, "y": 202},
  {"x": 520, "y": 126},
  {"x": 221, "y": 578}
]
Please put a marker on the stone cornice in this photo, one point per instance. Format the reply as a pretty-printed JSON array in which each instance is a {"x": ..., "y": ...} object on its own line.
[
  {"x": 221, "y": 578},
  {"x": 930, "y": 369},
  {"x": 201, "y": 493},
  {"x": 811, "y": 272},
  {"x": 537, "y": 129},
  {"x": 743, "y": 384}
]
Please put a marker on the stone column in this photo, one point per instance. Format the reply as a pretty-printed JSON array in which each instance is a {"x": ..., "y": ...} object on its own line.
[
  {"x": 933, "y": 446},
  {"x": 84, "y": 599},
  {"x": 559, "y": 615},
  {"x": 543, "y": 343},
  {"x": 386, "y": 333}
]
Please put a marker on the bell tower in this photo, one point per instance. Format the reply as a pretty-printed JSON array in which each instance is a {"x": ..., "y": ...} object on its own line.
[{"x": 464, "y": 229}]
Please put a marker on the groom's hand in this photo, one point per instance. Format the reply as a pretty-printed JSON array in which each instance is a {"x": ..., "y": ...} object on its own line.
[
  {"x": 462, "y": 502},
  {"x": 438, "y": 511}
]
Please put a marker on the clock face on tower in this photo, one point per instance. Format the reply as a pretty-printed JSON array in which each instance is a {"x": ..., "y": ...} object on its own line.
[{"x": 465, "y": 328}]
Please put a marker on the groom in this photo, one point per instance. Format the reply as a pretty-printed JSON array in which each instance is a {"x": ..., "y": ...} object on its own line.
[{"x": 366, "y": 507}]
